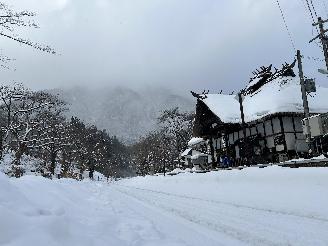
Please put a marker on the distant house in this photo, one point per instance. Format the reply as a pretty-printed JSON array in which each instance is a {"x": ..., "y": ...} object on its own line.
[
  {"x": 194, "y": 158},
  {"x": 273, "y": 112}
]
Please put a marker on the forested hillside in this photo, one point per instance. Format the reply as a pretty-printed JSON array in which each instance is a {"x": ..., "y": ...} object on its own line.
[{"x": 126, "y": 113}]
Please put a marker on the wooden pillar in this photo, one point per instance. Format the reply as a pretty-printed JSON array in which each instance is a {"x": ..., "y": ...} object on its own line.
[
  {"x": 283, "y": 132},
  {"x": 212, "y": 153},
  {"x": 265, "y": 135},
  {"x": 273, "y": 134}
]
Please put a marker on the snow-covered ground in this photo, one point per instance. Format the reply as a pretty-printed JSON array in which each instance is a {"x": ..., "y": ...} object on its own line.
[{"x": 270, "y": 206}]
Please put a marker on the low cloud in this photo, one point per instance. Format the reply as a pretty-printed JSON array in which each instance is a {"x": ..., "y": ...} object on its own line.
[{"x": 186, "y": 44}]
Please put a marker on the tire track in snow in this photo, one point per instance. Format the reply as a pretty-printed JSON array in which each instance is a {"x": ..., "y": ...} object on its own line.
[
  {"x": 209, "y": 222},
  {"x": 310, "y": 217}
]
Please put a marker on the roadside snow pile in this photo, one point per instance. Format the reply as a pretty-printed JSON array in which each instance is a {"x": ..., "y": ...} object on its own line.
[
  {"x": 96, "y": 176},
  {"x": 34, "y": 211},
  {"x": 302, "y": 160},
  {"x": 29, "y": 165},
  {"x": 179, "y": 170},
  {"x": 38, "y": 211}
]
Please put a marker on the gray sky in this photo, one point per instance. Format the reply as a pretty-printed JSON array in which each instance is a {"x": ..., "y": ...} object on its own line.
[{"x": 181, "y": 44}]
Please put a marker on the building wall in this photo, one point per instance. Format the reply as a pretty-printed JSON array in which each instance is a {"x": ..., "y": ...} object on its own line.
[{"x": 271, "y": 128}]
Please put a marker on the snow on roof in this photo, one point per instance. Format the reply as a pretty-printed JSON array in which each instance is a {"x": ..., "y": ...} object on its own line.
[
  {"x": 226, "y": 107},
  {"x": 280, "y": 95},
  {"x": 186, "y": 152},
  {"x": 195, "y": 141}
]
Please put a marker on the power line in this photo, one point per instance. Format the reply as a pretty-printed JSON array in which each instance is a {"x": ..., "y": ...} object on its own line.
[
  {"x": 315, "y": 59},
  {"x": 309, "y": 11},
  {"x": 286, "y": 26},
  {"x": 315, "y": 12}
]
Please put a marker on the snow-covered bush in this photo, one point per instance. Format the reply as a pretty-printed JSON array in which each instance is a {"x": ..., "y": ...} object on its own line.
[{"x": 28, "y": 165}]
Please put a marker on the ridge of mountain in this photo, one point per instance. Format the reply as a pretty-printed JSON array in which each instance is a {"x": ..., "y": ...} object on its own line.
[{"x": 126, "y": 113}]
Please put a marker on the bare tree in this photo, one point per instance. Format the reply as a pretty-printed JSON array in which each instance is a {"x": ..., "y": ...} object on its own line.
[
  {"x": 51, "y": 134},
  {"x": 176, "y": 126},
  {"x": 10, "y": 22},
  {"x": 22, "y": 108},
  {"x": 158, "y": 151}
]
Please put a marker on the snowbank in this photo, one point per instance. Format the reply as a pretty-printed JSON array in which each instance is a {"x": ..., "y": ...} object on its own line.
[
  {"x": 319, "y": 158},
  {"x": 29, "y": 165},
  {"x": 38, "y": 211}
]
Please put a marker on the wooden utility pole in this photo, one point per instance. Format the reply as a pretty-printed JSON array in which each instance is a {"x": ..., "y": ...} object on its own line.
[
  {"x": 304, "y": 98},
  {"x": 323, "y": 38},
  {"x": 242, "y": 115}
]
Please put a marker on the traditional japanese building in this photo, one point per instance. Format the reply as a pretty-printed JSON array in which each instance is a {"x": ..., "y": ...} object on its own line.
[{"x": 273, "y": 111}]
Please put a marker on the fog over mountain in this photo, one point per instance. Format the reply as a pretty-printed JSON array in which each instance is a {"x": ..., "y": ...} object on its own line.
[{"x": 124, "y": 112}]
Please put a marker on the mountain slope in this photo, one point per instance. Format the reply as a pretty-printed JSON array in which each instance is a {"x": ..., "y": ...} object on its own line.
[{"x": 123, "y": 112}]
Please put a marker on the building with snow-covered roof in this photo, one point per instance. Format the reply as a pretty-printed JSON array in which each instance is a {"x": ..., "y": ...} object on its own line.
[{"x": 273, "y": 114}]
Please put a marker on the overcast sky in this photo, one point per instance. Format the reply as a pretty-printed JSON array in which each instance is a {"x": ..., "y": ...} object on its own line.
[{"x": 182, "y": 44}]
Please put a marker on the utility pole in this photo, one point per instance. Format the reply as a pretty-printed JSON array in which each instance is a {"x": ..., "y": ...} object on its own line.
[
  {"x": 304, "y": 97},
  {"x": 242, "y": 115},
  {"x": 240, "y": 97},
  {"x": 323, "y": 38}
]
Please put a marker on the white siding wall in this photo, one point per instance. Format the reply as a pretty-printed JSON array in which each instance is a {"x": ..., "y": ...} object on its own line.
[
  {"x": 276, "y": 125},
  {"x": 298, "y": 124},
  {"x": 241, "y": 134},
  {"x": 270, "y": 142},
  {"x": 260, "y": 129},
  {"x": 236, "y": 136},
  {"x": 290, "y": 141},
  {"x": 248, "y": 133},
  {"x": 231, "y": 139},
  {"x": 288, "y": 127},
  {"x": 253, "y": 131},
  {"x": 288, "y": 124},
  {"x": 300, "y": 136},
  {"x": 268, "y": 127}
]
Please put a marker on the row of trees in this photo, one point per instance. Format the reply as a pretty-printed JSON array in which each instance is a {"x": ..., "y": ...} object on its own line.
[
  {"x": 34, "y": 123},
  {"x": 160, "y": 150}
]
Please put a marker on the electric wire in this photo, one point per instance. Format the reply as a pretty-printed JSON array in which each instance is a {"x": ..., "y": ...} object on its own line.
[
  {"x": 286, "y": 26},
  {"x": 307, "y": 12},
  {"x": 310, "y": 11},
  {"x": 315, "y": 12}
]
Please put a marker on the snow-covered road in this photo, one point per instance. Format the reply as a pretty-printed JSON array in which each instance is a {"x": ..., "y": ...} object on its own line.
[
  {"x": 233, "y": 224},
  {"x": 274, "y": 206}
]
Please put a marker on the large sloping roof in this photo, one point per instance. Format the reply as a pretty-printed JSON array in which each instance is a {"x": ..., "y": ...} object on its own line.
[{"x": 279, "y": 96}]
